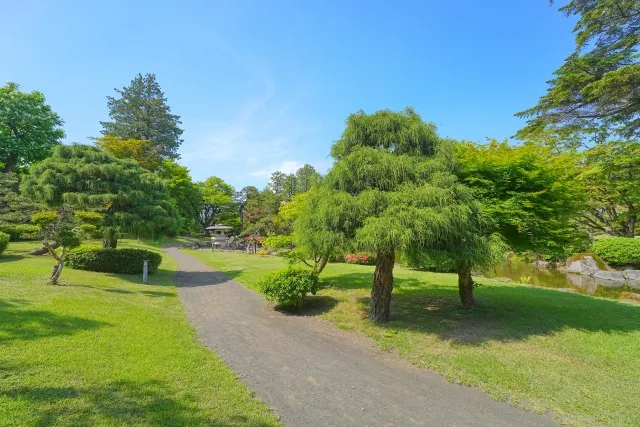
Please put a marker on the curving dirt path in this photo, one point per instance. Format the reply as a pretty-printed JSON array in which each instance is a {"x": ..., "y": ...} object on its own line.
[{"x": 314, "y": 374}]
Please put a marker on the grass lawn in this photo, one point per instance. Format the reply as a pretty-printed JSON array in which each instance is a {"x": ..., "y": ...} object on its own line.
[
  {"x": 106, "y": 350},
  {"x": 543, "y": 350}
]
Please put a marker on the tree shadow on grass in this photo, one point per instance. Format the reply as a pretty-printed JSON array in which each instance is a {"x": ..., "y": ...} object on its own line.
[
  {"x": 505, "y": 312},
  {"x": 119, "y": 403},
  {"x": 19, "y": 323},
  {"x": 11, "y": 258}
]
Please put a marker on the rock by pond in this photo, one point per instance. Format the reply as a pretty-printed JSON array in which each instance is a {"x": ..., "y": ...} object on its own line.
[{"x": 559, "y": 278}]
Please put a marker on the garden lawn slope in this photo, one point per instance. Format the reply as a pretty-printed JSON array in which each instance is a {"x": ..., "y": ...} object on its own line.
[
  {"x": 106, "y": 350},
  {"x": 544, "y": 350}
]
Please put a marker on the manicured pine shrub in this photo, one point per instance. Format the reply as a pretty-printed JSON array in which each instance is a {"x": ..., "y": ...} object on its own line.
[
  {"x": 4, "y": 241},
  {"x": 289, "y": 286},
  {"x": 619, "y": 250},
  {"x": 108, "y": 260}
]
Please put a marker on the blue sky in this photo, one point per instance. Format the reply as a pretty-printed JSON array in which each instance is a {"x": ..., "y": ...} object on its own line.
[{"x": 267, "y": 85}]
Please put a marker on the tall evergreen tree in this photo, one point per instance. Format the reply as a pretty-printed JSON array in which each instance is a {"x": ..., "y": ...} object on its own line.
[
  {"x": 29, "y": 129},
  {"x": 306, "y": 176},
  {"x": 596, "y": 92},
  {"x": 132, "y": 199},
  {"x": 141, "y": 112}
]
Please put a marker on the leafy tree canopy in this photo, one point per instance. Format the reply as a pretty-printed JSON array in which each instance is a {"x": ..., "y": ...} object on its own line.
[
  {"x": 141, "y": 112},
  {"x": 29, "y": 129},
  {"x": 595, "y": 93},
  {"x": 85, "y": 177},
  {"x": 529, "y": 192},
  {"x": 610, "y": 174},
  {"x": 217, "y": 203},
  {"x": 393, "y": 189},
  {"x": 186, "y": 195},
  {"x": 142, "y": 151}
]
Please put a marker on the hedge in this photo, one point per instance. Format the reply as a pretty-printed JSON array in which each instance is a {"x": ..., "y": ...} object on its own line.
[
  {"x": 20, "y": 231},
  {"x": 4, "y": 241},
  {"x": 107, "y": 260},
  {"x": 618, "y": 250}
]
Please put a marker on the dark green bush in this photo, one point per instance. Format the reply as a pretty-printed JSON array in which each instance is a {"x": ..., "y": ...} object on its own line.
[
  {"x": 618, "y": 250},
  {"x": 289, "y": 286},
  {"x": 122, "y": 261},
  {"x": 20, "y": 231},
  {"x": 4, "y": 241},
  {"x": 435, "y": 262}
]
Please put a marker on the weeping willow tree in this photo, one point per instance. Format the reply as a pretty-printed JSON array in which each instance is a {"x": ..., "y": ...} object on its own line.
[
  {"x": 130, "y": 198},
  {"x": 393, "y": 190}
]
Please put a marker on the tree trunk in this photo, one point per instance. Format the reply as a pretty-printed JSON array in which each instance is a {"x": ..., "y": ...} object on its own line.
[
  {"x": 110, "y": 238},
  {"x": 465, "y": 285},
  {"x": 380, "y": 308},
  {"x": 630, "y": 224},
  {"x": 43, "y": 250},
  {"x": 321, "y": 265},
  {"x": 12, "y": 161},
  {"x": 57, "y": 269}
]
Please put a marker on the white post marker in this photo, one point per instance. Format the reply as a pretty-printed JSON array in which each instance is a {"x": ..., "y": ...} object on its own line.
[{"x": 145, "y": 271}]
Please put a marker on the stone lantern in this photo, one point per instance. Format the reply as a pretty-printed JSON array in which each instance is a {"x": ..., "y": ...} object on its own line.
[{"x": 219, "y": 237}]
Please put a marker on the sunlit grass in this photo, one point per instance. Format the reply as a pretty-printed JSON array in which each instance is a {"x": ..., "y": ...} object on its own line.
[
  {"x": 101, "y": 349},
  {"x": 540, "y": 349}
]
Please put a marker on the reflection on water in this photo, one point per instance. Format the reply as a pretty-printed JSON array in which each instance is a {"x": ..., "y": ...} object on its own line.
[{"x": 552, "y": 278}]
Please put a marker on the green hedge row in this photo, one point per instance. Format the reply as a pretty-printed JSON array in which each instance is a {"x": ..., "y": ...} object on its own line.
[
  {"x": 20, "y": 231},
  {"x": 618, "y": 250},
  {"x": 4, "y": 241},
  {"x": 121, "y": 261}
]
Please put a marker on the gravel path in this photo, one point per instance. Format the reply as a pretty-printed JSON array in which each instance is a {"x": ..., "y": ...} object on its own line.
[{"x": 314, "y": 374}]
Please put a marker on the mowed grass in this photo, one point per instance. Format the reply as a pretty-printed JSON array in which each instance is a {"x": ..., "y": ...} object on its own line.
[
  {"x": 575, "y": 356},
  {"x": 106, "y": 350}
]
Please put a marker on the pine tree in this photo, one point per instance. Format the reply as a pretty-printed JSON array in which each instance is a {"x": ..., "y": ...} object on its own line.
[
  {"x": 141, "y": 112},
  {"x": 132, "y": 199}
]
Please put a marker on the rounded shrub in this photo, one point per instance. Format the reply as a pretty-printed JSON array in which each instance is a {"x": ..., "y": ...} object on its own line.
[
  {"x": 4, "y": 241},
  {"x": 288, "y": 287},
  {"x": 108, "y": 260},
  {"x": 618, "y": 250}
]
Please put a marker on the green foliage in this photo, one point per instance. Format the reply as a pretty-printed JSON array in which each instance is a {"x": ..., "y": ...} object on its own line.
[
  {"x": 594, "y": 93},
  {"x": 433, "y": 261},
  {"x": 69, "y": 239},
  {"x": 306, "y": 178},
  {"x": 45, "y": 219},
  {"x": 289, "y": 286},
  {"x": 89, "y": 217},
  {"x": 217, "y": 203},
  {"x": 15, "y": 209},
  {"x": 84, "y": 177},
  {"x": 610, "y": 173},
  {"x": 529, "y": 192},
  {"x": 402, "y": 133},
  {"x": 186, "y": 195},
  {"x": 29, "y": 129},
  {"x": 4, "y": 241},
  {"x": 108, "y": 260},
  {"x": 277, "y": 242},
  {"x": 618, "y": 250},
  {"x": 142, "y": 151},
  {"x": 141, "y": 112},
  {"x": 20, "y": 231}
]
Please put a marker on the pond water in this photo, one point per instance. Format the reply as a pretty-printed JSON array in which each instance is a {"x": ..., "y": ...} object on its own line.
[{"x": 553, "y": 278}]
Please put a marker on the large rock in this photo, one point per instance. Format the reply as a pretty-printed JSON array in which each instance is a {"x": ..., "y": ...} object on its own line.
[
  {"x": 615, "y": 276},
  {"x": 632, "y": 275},
  {"x": 586, "y": 264}
]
